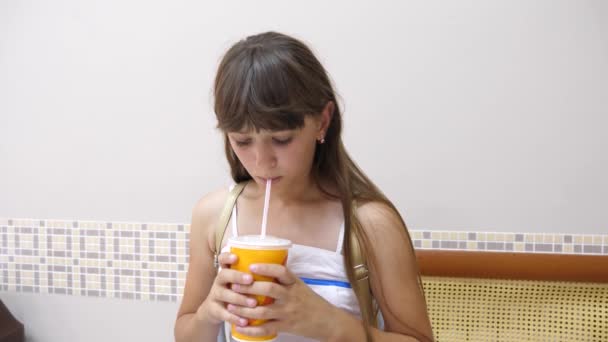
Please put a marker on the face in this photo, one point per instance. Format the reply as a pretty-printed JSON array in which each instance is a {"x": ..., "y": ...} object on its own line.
[{"x": 283, "y": 156}]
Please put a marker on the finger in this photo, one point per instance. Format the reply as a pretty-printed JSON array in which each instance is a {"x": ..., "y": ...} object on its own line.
[
  {"x": 230, "y": 297},
  {"x": 260, "y": 312},
  {"x": 220, "y": 313},
  {"x": 233, "y": 319},
  {"x": 226, "y": 259},
  {"x": 232, "y": 276},
  {"x": 262, "y": 288},
  {"x": 279, "y": 272},
  {"x": 268, "y": 328}
]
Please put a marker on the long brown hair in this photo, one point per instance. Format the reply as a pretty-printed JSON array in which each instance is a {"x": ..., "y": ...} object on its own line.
[{"x": 272, "y": 81}]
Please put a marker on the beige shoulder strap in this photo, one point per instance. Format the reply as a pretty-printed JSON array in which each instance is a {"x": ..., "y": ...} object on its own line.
[
  {"x": 361, "y": 271},
  {"x": 359, "y": 262},
  {"x": 220, "y": 229}
]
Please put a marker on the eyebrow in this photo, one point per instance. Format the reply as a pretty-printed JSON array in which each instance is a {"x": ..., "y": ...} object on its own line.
[{"x": 284, "y": 131}]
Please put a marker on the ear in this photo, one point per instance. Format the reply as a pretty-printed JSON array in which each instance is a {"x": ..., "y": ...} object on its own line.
[{"x": 326, "y": 115}]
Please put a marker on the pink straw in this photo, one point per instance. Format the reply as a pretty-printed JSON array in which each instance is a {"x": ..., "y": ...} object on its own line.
[{"x": 266, "y": 201}]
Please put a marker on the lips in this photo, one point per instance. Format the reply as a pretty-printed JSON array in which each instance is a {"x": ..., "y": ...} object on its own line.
[{"x": 274, "y": 179}]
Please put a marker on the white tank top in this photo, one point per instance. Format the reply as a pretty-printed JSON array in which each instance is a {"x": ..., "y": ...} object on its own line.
[{"x": 322, "y": 270}]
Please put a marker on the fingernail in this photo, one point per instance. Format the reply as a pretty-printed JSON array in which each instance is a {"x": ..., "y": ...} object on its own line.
[
  {"x": 251, "y": 302},
  {"x": 247, "y": 278},
  {"x": 230, "y": 307},
  {"x": 231, "y": 257},
  {"x": 253, "y": 267},
  {"x": 243, "y": 322}
]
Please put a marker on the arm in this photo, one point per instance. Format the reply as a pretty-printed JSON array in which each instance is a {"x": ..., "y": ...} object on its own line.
[
  {"x": 394, "y": 282},
  {"x": 349, "y": 328},
  {"x": 203, "y": 307},
  {"x": 190, "y": 324}
]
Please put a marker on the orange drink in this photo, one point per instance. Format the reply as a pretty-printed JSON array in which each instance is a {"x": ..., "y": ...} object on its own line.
[{"x": 255, "y": 249}]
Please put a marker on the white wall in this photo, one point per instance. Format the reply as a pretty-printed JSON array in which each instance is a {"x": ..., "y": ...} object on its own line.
[
  {"x": 50, "y": 318},
  {"x": 472, "y": 115}
]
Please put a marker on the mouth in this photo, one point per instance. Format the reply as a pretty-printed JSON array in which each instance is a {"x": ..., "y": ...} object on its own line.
[{"x": 274, "y": 180}]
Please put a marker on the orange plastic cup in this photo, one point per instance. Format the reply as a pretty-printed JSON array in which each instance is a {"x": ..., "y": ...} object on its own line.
[{"x": 253, "y": 249}]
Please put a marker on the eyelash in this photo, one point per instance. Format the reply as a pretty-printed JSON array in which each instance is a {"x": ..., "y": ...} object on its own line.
[{"x": 276, "y": 141}]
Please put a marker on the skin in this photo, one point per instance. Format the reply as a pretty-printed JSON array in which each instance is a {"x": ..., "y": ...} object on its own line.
[{"x": 299, "y": 212}]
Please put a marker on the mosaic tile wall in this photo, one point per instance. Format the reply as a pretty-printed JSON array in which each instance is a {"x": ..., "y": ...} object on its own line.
[
  {"x": 107, "y": 259},
  {"x": 145, "y": 261}
]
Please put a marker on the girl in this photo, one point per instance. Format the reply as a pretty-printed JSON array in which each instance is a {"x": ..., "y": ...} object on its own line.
[{"x": 278, "y": 112}]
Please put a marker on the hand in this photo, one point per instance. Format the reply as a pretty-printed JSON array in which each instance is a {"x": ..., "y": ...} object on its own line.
[
  {"x": 297, "y": 309},
  {"x": 213, "y": 309}
]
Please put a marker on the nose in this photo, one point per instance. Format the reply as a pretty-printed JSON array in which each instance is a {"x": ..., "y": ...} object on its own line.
[{"x": 265, "y": 158}]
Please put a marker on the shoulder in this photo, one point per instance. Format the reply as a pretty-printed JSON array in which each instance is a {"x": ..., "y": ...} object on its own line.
[
  {"x": 205, "y": 214},
  {"x": 383, "y": 226},
  {"x": 380, "y": 220},
  {"x": 210, "y": 205}
]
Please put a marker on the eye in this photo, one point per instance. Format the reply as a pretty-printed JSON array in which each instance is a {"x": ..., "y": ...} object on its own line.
[
  {"x": 282, "y": 141},
  {"x": 242, "y": 143}
]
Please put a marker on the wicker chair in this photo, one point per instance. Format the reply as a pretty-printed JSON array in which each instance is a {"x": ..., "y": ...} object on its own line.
[{"x": 485, "y": 296}]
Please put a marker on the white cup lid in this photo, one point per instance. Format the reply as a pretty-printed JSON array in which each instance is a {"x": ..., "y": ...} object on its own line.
[{"x": 257, "y": 242}]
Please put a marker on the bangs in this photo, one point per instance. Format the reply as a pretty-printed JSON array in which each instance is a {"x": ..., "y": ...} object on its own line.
[{"x": 255, "y": 90}]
